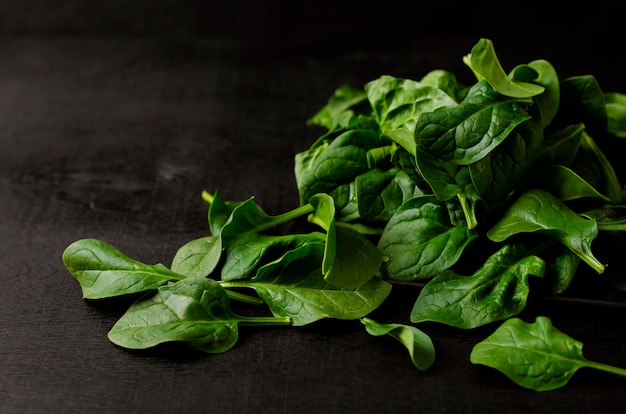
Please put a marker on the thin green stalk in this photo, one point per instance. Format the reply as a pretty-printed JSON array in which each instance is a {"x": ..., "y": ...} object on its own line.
[
  {"x": 607, "y": 368},
  {"x": 469, "y": 216},
  {"x": 241, "y": 297},
  {"x": 286, "y": 217},
  {"x": 265, "y": 320}
]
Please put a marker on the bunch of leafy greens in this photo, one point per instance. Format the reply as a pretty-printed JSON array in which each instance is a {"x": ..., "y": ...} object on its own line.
[{"x": 408, "y": 176}]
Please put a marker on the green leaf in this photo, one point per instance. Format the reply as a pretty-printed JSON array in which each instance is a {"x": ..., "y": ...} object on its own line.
[
  {"x": 549, "y": 100},
  {"x": 195, "y": 310},
  {"x": 566, "y": 184},
  {"x": 325, "y": 167},
  {"x": 104, "y": 271},
  {"x": 539, "y": 211},
  {"x": 536, "y": 356},
  {"x": 509, "y": 165},
  {"x": 245, "y": 254},
  {"x": 420, "y": 346},
  {"x": 582, "y": 101},
  {"x": 420, "y": 241},
  {"x": 356, "y": 260},
  {"x": 593, "y": 166},
  {"x": 343, "y": 99},
  {"x": 496, "y": 291},
  {"x": 199, "y": 257},
  {"x": 485, "y": 65},
  {"x": 380, "y": 193},
  {"x": 561, "y": 147},
  {"x": 466, "y": 133},
  {"x": 295, "y": 287},
  {"x": 397, "y": 104},
  {"x": 616, "y": 113}
]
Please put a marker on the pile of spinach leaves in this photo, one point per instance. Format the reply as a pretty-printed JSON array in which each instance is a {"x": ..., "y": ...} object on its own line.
[{"x": 408, "y": 177}]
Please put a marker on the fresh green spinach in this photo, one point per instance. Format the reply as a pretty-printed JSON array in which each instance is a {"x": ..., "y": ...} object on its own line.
[{"x": 464, "y": 191}]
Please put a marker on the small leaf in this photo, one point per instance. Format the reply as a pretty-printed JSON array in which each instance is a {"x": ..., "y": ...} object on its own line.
[
  {"x": 356, "y": 260},
  {"x": 484, "y": 62},
  {"x": 419, "y": 345},
  {"x": 198, "y": 258}
]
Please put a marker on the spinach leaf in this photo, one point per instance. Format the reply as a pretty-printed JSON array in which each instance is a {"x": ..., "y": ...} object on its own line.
[
  {"x": 548, "y": 101},
  {"x": 195, "y": 311},
  {"x": 591, "y": 164},
  {"x": 199, "y": 257},
  {"x": 616, "y": 113},
  {"x": 397, "y": 104},
  {"x": 104, "y": 271},
  {"x": 467, "y": 132},
  {"x": 539, "y": 211},
  {"x": 381, "y": 193},
  {"x": 356, "y": 260},
  {"x": 561, "y": 147},
  {"x": 230, "y": 221},
  {"x": 420, "y": 241},
  {"x": 446, "y": 82},
  {"x": 561, "y": 267},
  {"x": 420, "y": 346},
  {"x": 566, "y": 184},
  {"x": 344, "y": 100},
  {"x": 496, "y": 291},
  {"x": 244, "y": 255},
  {"x": 536, "y": 356},
  {"x": 485, "y": 65},
  {"x": 295, "y": 287},
  {"x": 323, "y": 168},
  {"x": 507, "y": 167},
  {"x": 582, "y": 101}
]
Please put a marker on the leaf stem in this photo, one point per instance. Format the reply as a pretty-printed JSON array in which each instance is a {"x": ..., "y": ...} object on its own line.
[
  {"x": 469, "y": 215},
  {"x": 265, "y": 320},
  {"x": 242, "y": 297},
  {"x": 208, "y": 197},
  {"x": 286, "y": 217},
  {"x": 607, "y": 368}
]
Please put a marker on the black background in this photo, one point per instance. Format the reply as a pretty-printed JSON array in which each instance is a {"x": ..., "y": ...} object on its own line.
[{"x": 115, "y": 115}]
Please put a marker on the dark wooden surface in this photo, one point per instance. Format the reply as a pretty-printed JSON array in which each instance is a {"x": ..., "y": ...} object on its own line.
[{"x": 112, "y": 123}]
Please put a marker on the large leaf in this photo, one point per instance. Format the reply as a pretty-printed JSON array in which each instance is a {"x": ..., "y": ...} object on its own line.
[
  {"x": 536, "y": 356},
  {"x": 397, "y": 104},
  {"x": 323, "y": 168},
  {"x": 509, "y": 165},
  {"x": 295, "y": 287},
  {"x": 104, "y": 271},
  {"x": 496, "y": 291},
  {"x": 420, "y": 241},
  {"x": 539, "y": 211},
  {"x": 195, "y": 310},
  {"x": 466, "y": 133}
]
